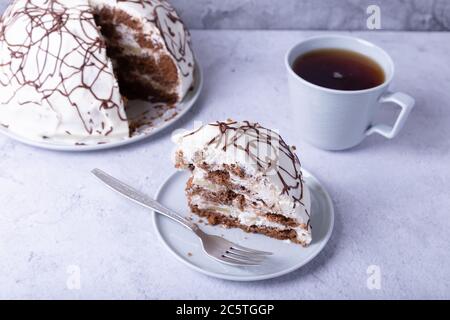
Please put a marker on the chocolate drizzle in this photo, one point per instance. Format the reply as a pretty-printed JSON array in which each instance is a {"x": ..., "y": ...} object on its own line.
[{"x": 249, "y": 137}]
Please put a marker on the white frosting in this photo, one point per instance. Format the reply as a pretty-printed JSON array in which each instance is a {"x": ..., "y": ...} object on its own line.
[
  {"x": 263, "y": 155},
  {"x": 56, "y": 81}
]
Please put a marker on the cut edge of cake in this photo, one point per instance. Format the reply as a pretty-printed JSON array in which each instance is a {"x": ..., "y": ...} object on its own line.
[{"x": 145, "y": 41}]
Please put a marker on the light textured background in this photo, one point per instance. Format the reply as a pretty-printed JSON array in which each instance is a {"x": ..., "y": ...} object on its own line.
[
  {"x": 391, "y": 196},
  {"x": 311, "y": 14}
]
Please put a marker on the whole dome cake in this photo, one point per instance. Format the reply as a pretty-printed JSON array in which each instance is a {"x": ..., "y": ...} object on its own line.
[{"x": 68, "y": 67}]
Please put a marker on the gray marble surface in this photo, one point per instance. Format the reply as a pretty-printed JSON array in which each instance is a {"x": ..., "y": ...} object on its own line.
[
  {"x": 311, "y": 14},
  {"x": 314, "y": 14},
  {"x": 391, "y": 197}
]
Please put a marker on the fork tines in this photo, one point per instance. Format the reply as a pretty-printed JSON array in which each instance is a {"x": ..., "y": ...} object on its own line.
[{"x": 242, "y": 256}]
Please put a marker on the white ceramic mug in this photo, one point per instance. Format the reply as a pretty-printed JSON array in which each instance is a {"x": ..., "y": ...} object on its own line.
[{"x": 337, "y": 120}]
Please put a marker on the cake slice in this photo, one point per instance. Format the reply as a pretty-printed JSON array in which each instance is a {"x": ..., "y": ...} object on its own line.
[{"x": 244, "y": 175}]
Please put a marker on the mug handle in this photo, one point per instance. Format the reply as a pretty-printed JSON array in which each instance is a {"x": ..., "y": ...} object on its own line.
[{"x": 404, "y": 101}]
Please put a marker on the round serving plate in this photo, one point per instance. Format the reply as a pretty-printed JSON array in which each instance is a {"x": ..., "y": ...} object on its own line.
[
  {"x": 287, "y": 257},
  {"x": 157, "y": 118}
]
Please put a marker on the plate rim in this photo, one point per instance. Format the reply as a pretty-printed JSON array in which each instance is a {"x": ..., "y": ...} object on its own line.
[
  {"x": 198, "y": 87},
  {"x": 248, "y": 278}
]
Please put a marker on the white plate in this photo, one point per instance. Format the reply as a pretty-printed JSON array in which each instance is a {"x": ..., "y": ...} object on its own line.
[
  {"x": 160, "y": 118},
  {"x": 287, "y": 256}
]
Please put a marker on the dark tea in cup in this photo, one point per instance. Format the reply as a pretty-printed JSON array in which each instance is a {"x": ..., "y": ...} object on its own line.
[{"x": 339, "y": 69}]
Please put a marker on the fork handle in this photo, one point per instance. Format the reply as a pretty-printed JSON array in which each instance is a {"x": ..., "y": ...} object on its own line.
[{"x": 142, "y": 199}]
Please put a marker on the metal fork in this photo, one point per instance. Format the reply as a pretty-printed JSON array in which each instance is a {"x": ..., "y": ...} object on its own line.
[{"x": 216, "y": 247}]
